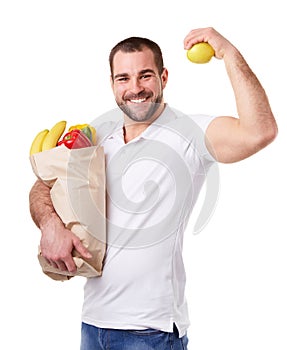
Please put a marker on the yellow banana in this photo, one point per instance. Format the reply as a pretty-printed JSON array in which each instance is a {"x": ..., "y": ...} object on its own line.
[
  {"x": 37, "y": 143},
  {"x": 54, "y": 135}
]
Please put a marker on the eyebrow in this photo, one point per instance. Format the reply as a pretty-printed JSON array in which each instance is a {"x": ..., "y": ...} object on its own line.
[{"x": 144, "y": 71}]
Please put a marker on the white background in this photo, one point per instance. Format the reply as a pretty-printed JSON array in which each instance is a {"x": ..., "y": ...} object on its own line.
[{"x": 54, "y": 66}]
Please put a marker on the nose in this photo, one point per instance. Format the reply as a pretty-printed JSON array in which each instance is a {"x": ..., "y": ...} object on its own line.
[{"x": 135, "y": 85}]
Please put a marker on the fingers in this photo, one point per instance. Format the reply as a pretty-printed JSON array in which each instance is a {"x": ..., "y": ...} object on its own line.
[
  {"x": 198, "y": 35},
  {"x": 63, "y": 264},
  {"x": 58, "y": 246},
  {"x": 209, "y": 35},
  {"x": 81, "y": 249},
  {"x": 63, "y": 260}
]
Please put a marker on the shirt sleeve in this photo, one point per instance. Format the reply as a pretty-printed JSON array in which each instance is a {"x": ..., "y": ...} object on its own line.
[{"x": 203, "y": 121}]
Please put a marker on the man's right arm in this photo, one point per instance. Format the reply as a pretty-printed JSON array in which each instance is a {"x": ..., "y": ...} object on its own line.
[{"x": 57, "y": 242}]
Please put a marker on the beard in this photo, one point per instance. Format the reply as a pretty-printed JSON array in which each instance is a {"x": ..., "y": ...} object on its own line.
[{"x": 140, "y": 112}]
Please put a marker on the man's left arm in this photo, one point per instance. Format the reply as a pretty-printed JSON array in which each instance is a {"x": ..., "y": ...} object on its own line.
[{"x": 231, "y": 139}]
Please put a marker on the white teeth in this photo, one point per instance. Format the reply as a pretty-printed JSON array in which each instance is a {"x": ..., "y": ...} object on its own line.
[{"x": 138, "y": 101}]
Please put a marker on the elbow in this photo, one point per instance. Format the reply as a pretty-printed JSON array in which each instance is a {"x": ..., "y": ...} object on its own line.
[
  {"x": 267, "y": 136},
  {"x": 271, "y": 133}
]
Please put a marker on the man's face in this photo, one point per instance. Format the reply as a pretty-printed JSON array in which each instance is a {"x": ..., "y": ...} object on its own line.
[{"x": 137, "y": 85}]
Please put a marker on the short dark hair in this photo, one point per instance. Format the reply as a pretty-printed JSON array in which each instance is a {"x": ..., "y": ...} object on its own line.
[{"x": 134, "y": 44}]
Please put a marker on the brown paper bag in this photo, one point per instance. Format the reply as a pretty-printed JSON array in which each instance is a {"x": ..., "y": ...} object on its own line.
[{"x": 77, "y": 181}]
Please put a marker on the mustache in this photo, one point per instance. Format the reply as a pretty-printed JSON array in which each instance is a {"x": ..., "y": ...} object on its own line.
[{"x": 141, "y": 94}]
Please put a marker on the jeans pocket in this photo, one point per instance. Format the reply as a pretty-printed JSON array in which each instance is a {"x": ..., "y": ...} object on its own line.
[{"x": 184, "y": 342}]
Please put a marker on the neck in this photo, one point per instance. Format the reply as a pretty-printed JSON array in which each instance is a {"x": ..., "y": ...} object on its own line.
[{"x": 133, "y": 129}]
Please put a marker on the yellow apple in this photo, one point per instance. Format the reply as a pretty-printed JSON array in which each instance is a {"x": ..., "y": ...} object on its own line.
[{"x": 200, "y": 53}]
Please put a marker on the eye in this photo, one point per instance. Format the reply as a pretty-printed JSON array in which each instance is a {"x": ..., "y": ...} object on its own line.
[
  {"x": 146, "y": 76},
  {"x": 122, "y": 79}
]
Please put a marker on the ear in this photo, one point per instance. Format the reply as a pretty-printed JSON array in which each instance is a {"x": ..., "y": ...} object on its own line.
[{"x": 164, "y": 77}]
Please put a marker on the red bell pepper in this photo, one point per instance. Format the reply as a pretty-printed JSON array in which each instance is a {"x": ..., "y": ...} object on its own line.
[
  {"x": 75, "y": 139},
  {"x": 87, "y": 129}
]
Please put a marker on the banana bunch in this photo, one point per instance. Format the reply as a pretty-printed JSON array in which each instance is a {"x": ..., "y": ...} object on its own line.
[{"x": 47, "y": 139}]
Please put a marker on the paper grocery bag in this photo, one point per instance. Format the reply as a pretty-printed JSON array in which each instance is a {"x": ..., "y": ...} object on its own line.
[{"x": 78, "y": 192}]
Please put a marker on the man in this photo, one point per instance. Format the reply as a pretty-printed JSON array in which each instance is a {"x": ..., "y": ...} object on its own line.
[{"x": 138, "y": 302}]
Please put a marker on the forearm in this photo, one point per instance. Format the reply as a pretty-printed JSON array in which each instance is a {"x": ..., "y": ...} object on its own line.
[
  {"x": 57, "y": 242},
  {"x": 41, "y": 206}
]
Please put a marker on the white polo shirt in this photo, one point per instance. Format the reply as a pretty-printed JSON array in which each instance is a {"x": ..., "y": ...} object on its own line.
[{"x": 152, "y": 185}]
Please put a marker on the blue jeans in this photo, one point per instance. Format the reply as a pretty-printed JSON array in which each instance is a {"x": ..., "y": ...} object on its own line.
[{"x": 94, "y": 338}]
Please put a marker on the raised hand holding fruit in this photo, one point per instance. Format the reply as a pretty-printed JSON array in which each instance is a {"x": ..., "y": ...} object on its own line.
[{"x": 200, "y": 53}]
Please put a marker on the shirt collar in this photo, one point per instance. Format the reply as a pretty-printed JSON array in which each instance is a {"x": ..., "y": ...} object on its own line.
[{"x": 165, "y": 117}]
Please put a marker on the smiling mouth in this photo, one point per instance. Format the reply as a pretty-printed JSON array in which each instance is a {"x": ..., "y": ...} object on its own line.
[{"x": 138, "y": 100}]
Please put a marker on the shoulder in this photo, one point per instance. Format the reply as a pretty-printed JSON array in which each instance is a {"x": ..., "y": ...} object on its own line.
[
  {"x": 107, "y": 123},
  {"x": 189, "y": 126},
  {"x": 202, "y": 120}
]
